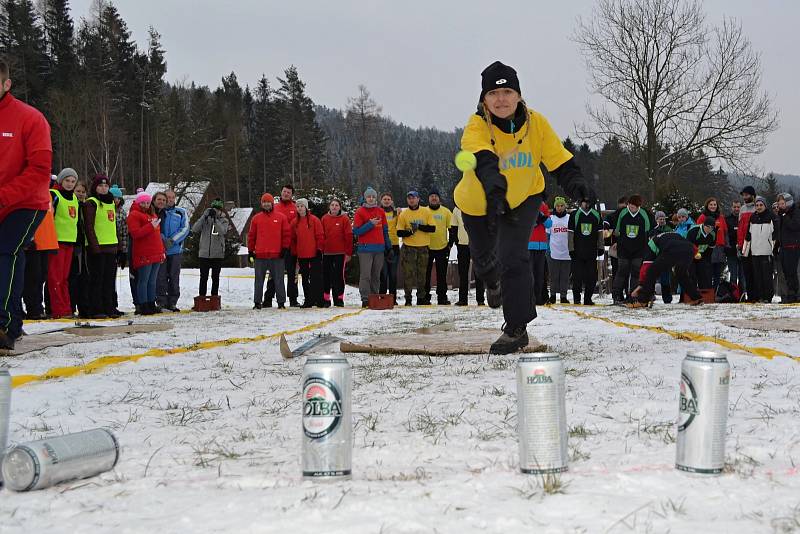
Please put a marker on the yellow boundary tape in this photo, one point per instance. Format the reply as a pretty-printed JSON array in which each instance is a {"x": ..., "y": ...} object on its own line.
[
  {"x": 105, "y": 361},
  {"x": 761, "y": 352}
]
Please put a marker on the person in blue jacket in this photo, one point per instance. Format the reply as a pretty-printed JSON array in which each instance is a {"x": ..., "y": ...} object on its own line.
[
  {"x": 174, "y": 231},
  {"x": 685, "y": 222}
]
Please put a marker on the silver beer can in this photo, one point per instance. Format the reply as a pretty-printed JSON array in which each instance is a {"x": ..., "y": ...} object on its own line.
[
  {"x": 44, "y": 463},
  {"x": 327, "y": 418},
  {"x": 541, "y": 414},
  {"x": 5, "y": 413},
  {"x": 703, "y": 412}
]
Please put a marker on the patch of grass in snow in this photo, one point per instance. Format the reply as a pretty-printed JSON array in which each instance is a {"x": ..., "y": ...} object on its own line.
[
  {"x": 659, "y": 429},
  {"x": 576, "y": 454},
  {"x": 212, "y": 451},
  {"x": 787, "y": 524},
  {"x": 543, "y": 484},
  {"x": 187, "y": 415},
  {"x": 580, "y": 431},
  {"x": 740, "y": 464},
  {"x": 572, "y": 371},
  {"x": 501, "y": 364},
  {"x": 495, "y": 391},
  {"x": 433, "y": 426}
]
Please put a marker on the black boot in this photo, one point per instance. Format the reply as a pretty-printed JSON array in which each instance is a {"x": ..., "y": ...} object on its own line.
[
  {"x": 6, "y": 343},
  {"x": 564, "y": 299},
  {"x": 512, "y": 340},
  {"x": 576, "y": 296}
]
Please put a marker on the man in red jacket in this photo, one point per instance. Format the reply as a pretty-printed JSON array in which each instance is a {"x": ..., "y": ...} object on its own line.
[
  {"x": 288, "y": 208},
  {"x": 25, "y": 159},
  {"x": 268, "y": 242}
]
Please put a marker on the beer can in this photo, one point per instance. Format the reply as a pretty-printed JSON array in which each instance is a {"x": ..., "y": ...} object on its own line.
[
  {"x": 5, "y": 413},
  {"x": 44, "y": 463},
  {"x": 703, "y": 412},
  {"x": 327, "y": 418},
  {"x": 541, "y": 414}
]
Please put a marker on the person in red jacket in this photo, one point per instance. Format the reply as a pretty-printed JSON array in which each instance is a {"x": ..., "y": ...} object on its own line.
[
  {"x": 712, "y": 209},
  {"x": 336, "y": 252},
  {"x": 148, "y": 251},
  {"x": 288, "y": 208},
  {"x": 308, "y": 240},
  {"x": 268, "y": 242},
  {"x": 25, "y": 160}
]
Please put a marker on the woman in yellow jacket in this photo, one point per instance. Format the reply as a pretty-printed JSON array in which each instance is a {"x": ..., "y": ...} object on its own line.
[{"x": 500, "y": 198}]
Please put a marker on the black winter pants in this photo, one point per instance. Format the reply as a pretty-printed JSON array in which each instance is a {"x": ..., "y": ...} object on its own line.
[
  {"x": 333, "y": 277},
  {"x": 683, "y": 273},
  {"x": 206, "y": 265},
  {"x": 311, "y": 271},
  {"x": 502, "y": 257},
  {"x": 790, "y": 257},
  {"x": 627, "y": 277},
  {"x": 441, "y": 258},
  {"x": 103, "y": 275},
  {"x": 538, "y": 260},
  {"x": 584, "y": 277},
  {"x": 763, "y": 286},
  {"x": 36, "y": 262},
  {"x": 464, "y": 259}
]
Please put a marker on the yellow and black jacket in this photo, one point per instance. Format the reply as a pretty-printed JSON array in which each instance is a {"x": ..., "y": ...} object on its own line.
[{"x": 515, "y": 148}]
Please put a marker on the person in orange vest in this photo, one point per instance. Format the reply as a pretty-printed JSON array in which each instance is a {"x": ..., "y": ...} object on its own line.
[
  {"x": 37, "y": 258},
  {"x": 65, "y": 213}
]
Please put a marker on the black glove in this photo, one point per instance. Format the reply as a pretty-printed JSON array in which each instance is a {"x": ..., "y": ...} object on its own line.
[
  {"x": 496, "y": 204},
  {"x": 210, "y": 213},
  {"x": 578, "y": 190},
  {"x": 285, "y": 253},
  {"x": 600, "y": 252},
  {"x": 122, "y": 260},
  {"x": 390, "y": 255},
  {"x": 541, "y": 218}
]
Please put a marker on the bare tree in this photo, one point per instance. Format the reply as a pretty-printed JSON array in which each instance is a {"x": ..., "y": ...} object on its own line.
[
  {"x": 363, "y": 114},
  {"x": 673, "y": 88}
]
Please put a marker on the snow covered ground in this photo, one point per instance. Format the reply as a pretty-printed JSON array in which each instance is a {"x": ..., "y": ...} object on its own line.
[{"x": 211, "y": 438}]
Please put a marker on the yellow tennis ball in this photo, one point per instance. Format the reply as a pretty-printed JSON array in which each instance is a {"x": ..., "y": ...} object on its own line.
[{"x": 465, "y": 161}]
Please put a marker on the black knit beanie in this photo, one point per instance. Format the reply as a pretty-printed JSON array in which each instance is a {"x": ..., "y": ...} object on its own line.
[{"x": 498, "y": 75}]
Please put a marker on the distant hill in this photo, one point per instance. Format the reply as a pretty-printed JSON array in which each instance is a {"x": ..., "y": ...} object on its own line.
[{"x": 786, "y": 182}]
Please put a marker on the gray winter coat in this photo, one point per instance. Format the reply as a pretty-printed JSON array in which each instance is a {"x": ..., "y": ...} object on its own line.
[{"x": 212, "y": 226}]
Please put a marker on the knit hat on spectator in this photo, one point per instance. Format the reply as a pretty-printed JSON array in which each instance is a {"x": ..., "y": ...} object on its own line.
[
  {"x": 762, "y": 200},
  {"x": 302, "y": 202},
  {"x": 370, "y": 191},
  {"x": 683, "y": 212},
  {"x": 789, "y": 199},
  {"x": 266, "y": 197},
  {"x": 64, "y": 173},
  {"x": 100, "y": 179},
  {"x": 710, "y": 222},
  {"x": 116, "y": 191},
  {"x": 435, "y": 191},
  {"x": 660, "y": 214},
  {"x": 559, "y": 201},
  {"x": 749, "y": 190},
  {"x": 143, "y": 198},
  {"x": 218, "y": 204}
]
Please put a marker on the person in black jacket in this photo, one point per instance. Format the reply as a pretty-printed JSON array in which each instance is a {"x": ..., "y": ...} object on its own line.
[
  {"x": 632, "y": 228},
  {"x": 609, "y": 223},
  {"x": 731, "y": 253},
  {"x": 788, "y": 244},
  {"x": 586, "y": 246},
  {"x": 664, "y": 252},
  {"x": 702, "y": 236}
]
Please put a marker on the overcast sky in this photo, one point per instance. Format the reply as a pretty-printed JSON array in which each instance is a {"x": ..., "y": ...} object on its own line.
[{"x": 421, "y": 59}]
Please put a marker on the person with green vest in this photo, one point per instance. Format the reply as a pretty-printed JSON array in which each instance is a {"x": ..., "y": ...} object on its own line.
[
  {"x": 100, "y": 225},
  {"x": 65, "y": 214},
  {"x": 586, "y": 244},
  {"x": 632, "y": 231}
]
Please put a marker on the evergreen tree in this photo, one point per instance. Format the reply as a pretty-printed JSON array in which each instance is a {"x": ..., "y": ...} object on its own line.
[
  {"x": 22, "y": 41},
  {"x": 59, "y": 31}
]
